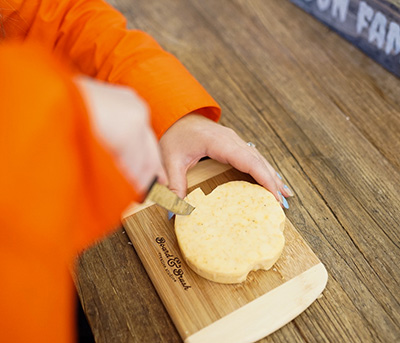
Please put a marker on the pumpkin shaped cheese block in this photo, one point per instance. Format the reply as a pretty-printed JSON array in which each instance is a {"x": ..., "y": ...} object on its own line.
[{"x": 235, "y": 229}]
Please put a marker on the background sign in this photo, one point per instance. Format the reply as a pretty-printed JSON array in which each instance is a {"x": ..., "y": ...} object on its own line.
[{"x": 373, "y": 26}]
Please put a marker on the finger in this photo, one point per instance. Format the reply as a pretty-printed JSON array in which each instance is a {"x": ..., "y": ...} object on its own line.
[
  {"x": 176, "y": 172},
  {"x": 248, "y": 160},
  {"x": 265, "y": 175},
  {"x": 286, "y": 191},
  {"x": 140, "y": 161},
  {"x": 162, "y": 176},
  {"x": 283, "y": 190}
]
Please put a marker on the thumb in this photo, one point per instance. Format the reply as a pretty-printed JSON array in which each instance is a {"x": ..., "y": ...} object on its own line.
[{"x": 177, "y": 178}]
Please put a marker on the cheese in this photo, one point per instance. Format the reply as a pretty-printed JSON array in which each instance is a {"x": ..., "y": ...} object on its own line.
[{"x": 235, "y": 229}]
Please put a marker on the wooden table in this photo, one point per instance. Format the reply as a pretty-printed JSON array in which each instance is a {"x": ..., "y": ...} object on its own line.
[{"x": 327, "y": 117}]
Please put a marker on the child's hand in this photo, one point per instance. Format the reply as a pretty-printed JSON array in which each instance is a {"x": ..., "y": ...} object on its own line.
[
  {"x": 194, "y": 136},
  {"x": 120, "y": 121}
]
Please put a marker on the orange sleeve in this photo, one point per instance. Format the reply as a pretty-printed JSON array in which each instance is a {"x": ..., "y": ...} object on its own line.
[
  {"x": 60, "y": 190},
  {"x": 94, "y": 38}
]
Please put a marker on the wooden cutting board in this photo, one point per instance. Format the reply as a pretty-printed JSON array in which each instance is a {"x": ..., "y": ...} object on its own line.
[{"x": 205, "y": 311}]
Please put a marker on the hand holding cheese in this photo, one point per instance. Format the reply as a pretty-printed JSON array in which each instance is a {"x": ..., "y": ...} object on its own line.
[
  {"x": 194, "y": 136},
  {"x": 237, "y": 228}
]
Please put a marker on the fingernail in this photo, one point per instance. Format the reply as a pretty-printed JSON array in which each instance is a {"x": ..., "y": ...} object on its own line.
[
  {"x": 279, "y": 175},
  {"x": 288, "y": 190},
  {"x": 170, "y": 215},
  {"x": 284, "y": 201}
]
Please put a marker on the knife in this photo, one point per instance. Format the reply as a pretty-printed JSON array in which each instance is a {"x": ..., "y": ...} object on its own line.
[{"x": 164, "y": 197}]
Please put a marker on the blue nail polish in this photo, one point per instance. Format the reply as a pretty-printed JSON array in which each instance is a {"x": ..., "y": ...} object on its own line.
[
  {"x": 279, "y": 175},
  {"x": 170, "y": 215},
  {"x": 284, "y": 201}
]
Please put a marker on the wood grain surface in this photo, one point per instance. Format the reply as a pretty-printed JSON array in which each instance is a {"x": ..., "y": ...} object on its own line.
[{"x": 327, "y": 117}]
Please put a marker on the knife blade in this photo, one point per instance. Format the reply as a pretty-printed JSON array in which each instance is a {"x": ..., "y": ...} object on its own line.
[{"x": 167, "y": 199}]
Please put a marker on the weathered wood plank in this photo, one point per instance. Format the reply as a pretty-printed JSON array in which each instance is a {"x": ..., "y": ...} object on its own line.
[
  {"x": 371, "y": 25},
  {"x": 118, "y": 297},
  {"x": 345, "y": 163},
  {"x": 289, "y": 85},
  {"x": 345, "y": 82}
]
